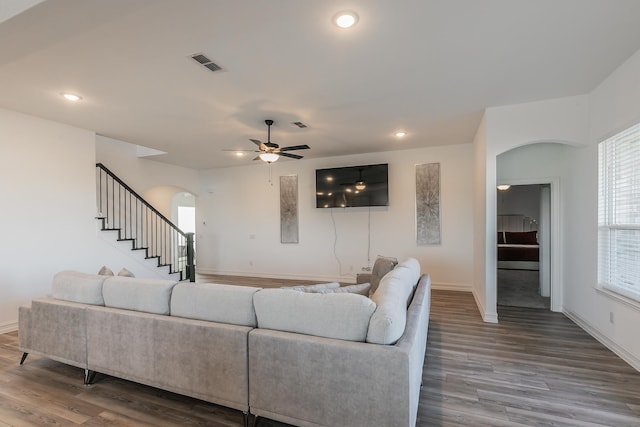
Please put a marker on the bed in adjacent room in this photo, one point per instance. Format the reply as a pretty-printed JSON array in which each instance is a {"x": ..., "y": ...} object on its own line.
[{"x": 518, "y": 247}]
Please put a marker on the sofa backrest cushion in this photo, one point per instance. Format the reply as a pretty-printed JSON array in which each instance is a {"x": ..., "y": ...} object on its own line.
[
  {"x": 342, "y": 316},
  {"x": 413, "y": 266},
  {"x": 381, "y": 267},
  {"x": 361, "y": 288},
  {"x": 78, "y": 287},
  {"x": 392, "y": 296},
  {"x": 214, "y": 302},
  {"x": 148, "y": 295}
]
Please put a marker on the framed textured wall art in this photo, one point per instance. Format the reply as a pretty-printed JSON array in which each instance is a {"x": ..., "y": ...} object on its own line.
[
  {"x": 428, "y": 204},
  {"x": 289, "y": 209}
]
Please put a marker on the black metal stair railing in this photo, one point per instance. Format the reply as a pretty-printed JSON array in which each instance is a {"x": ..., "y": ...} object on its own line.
[{"x": 121, "y": 209}]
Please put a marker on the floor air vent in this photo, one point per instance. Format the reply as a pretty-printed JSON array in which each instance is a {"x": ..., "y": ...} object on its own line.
[{"x": 206, "y": 62}]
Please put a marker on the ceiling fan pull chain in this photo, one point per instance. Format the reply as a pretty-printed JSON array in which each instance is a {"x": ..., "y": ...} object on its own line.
[{"x": 270, "y": 180}]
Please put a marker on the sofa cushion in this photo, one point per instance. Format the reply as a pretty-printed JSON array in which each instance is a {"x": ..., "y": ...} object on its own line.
[
  {"x": 148, "y": 295},
  {"x": 361, "y": 288},
  {"x": 388, "y": 321},
  {"x": 313, "y": 288},
  {"x": 214, "y": 302},
  {"x": 78, "y": 287},
  {"x": 339, "y": 315},
  {"x": 413, "y": 266},
  {"x": 381, "y": 267}
]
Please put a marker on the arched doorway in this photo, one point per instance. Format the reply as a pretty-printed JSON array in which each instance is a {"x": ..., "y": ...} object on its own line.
[{"x": 539, "y": 163}]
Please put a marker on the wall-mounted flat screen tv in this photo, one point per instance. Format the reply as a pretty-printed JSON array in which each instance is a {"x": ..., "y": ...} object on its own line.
[{"x": 352, "y": 186}]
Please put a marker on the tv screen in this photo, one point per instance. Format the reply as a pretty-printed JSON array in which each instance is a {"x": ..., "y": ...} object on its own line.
[{"x": 352, "y": 186}]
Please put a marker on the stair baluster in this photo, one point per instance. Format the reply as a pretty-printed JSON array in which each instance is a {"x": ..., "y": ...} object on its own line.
[{"x": 121, "y": 209}]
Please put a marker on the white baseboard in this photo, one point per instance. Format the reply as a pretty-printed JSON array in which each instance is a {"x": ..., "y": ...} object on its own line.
[
  {"x": 604, "y": 340},
  {"x": 486, "y": 317},
  {"x": 8, "y": 327},
  {"x": 458, "y": 287}
]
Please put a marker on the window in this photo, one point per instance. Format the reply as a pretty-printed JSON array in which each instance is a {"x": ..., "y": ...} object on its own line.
[{"x": 619, "y": 213}]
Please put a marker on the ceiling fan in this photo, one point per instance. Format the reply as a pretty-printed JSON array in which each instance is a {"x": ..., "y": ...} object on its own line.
[{"x": 270, "y": 151}]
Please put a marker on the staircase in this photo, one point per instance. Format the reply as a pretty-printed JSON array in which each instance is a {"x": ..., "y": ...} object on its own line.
[{"x": 122, "y": 210}]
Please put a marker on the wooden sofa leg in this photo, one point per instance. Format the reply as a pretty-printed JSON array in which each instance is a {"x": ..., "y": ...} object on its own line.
[{"x": 24, "y": 357}]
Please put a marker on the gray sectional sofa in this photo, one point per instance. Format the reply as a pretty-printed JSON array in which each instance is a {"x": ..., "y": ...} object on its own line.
[{"x": 297, "y": 356}]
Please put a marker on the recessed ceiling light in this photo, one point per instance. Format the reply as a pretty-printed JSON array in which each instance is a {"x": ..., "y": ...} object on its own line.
[
  {"x": 400, "y": 134},
  {"x": 345, "y": 19},
  {"x": 71, "y": 97},
  {"x": 239, "y": 153}
]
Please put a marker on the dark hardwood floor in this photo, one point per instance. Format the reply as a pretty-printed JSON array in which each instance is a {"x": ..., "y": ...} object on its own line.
[{"x": 535, "y": 368}]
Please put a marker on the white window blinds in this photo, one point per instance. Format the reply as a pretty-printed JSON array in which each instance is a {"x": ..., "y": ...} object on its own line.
[{"x": 619, "y": 213}]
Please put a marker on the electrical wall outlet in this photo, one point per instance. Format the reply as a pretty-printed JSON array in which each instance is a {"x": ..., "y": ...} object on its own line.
[{"x": 611, "y": 316}]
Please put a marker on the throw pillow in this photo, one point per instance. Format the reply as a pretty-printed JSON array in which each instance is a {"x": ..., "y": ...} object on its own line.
[
  {"x": 382, "y": 266},
  {"x": 361, "y": 289},
  {"x": 105, "y": 271},
  {"x": 125, "y": 273}
]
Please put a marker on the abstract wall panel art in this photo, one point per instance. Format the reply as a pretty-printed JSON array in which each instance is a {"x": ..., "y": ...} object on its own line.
[
  {"x": 289, "y": 209},
  {"x": 428, "y": 204}
]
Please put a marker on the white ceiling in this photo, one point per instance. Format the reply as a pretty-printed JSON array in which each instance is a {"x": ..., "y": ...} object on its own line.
[{"x": 429, "y": 67}]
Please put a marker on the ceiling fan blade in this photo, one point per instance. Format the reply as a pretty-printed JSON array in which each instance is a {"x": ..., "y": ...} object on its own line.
[
  {"x": 259, "y": 143},
  {"x": 293, "y": 156},
  {"x": 295, "y": 147},
  {"x": 257, "y": 158}
]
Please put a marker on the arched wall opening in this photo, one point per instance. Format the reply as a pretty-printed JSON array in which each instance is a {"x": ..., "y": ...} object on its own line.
[
  {"x": 168, "y": 199},
  {"x": 535, "y": 162}
]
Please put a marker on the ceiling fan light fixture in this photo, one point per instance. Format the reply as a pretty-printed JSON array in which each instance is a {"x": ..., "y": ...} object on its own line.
[
  {"x": 360, "y": 185},
  {"x": 345, "y": 19},
  {"x": 269, "y": 157}
]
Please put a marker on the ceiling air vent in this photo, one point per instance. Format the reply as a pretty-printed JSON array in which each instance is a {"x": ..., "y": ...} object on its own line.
[
  {"x": 299, "y": 124},
  {"x": 206, "y": 62}
]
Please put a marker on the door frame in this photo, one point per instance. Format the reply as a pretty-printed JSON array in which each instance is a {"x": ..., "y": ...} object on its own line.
[{"x": 555, "y": 238}]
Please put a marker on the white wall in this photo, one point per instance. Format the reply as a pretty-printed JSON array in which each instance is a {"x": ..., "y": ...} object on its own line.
[
  {"x": 47, "y": 185},
  {"x": 481, "y": 274},
  {"x": 143, "y": 174},
  {"x": 557, "y": 120},
  {"x": 583, "y": 120},
  {"x": 238, "y": 229},
  {"x": 613, "y": 107},
  {"x": 47, "y": 182}
]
